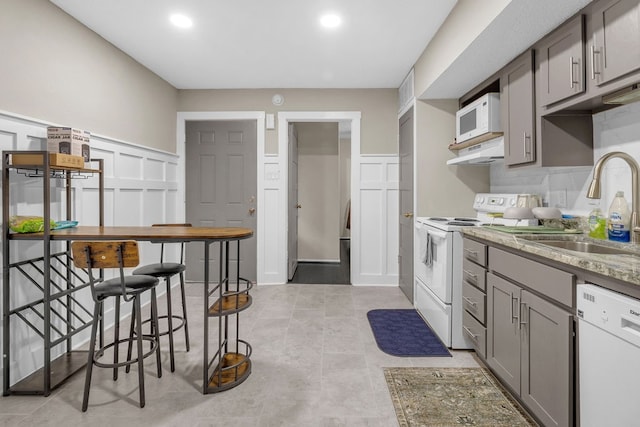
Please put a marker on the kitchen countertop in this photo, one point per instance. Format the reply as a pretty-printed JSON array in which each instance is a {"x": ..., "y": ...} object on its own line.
[{"x": 622, "y": 267}]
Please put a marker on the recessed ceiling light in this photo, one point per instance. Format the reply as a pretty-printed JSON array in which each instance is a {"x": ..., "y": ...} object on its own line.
[
  {"x": 330, "y": 20},
  {"x": 181, "y": 21}
]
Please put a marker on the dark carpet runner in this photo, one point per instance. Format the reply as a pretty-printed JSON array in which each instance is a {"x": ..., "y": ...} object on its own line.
[{"x": 402, "y": 332}]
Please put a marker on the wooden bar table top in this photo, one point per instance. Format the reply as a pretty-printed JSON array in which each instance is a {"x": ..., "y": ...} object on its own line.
[{"x": 145, "y": 233}]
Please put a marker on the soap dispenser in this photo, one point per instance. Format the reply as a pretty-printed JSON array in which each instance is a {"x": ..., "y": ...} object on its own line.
[{"x": 619, "y": 223}]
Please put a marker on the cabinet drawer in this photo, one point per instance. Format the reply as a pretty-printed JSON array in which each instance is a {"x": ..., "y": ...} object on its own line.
[
  {"x": 476, "y": 332},
  {"x": 474, "y": 301},
  {"x": 474, "y": 274},
  {"x": 549, "y": 281},
  {"x": 475, "y": 251}
]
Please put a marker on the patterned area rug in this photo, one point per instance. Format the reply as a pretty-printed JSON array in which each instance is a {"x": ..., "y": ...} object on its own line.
[
  {"x": 452, "y": 397},
  {"x": 402, "y": 332}
]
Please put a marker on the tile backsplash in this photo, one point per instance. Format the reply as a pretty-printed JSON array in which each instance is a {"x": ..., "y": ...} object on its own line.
[{"x": 617, "y": 129}]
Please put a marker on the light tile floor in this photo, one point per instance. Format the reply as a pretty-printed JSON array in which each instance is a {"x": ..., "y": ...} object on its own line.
[{"x": 315, "y": 363}]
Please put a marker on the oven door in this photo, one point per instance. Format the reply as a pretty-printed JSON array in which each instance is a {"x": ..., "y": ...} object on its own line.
[{"x": 438, "y": 275}]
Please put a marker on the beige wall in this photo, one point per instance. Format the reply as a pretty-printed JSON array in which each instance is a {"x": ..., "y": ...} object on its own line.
[
  {"x": 443, "y": 190},
  {"x": 57, "y": 70},
  {"x": 379, "y": 107},
  {"x": 465, "y": 22},
  {"x": 318, "y": 192}
]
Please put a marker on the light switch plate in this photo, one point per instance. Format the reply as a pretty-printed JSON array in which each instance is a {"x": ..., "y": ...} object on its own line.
[{"x": 270, "y": 121}]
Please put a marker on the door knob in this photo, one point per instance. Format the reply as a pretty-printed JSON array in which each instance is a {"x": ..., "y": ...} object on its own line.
[
  {"x": 298, "y": 206},
  {"x": 252, "y": 211},
  {"x": 408, "y": 214}
]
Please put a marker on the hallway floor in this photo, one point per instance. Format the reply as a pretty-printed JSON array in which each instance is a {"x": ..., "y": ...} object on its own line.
[
  {"x": 315, "y": 363},
  {"x": 328, "y": 273}
]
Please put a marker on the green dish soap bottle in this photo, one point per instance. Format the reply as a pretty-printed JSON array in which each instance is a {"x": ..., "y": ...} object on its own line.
[{"x": 597, "y": 224}]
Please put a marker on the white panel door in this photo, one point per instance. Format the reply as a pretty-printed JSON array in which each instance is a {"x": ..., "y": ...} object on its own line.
[
  {"x": 221, "y": 189},
  {"x": 405, "y": 221}
]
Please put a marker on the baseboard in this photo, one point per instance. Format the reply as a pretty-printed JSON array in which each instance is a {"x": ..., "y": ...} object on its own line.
[{"x": 321, "y": 261}]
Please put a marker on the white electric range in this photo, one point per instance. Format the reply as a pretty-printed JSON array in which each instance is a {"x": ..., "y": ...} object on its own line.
[{"x": 438, "y": 264}]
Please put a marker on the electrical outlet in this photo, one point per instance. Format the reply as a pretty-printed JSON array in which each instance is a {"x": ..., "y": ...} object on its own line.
[{"x": 558, "y": 198}]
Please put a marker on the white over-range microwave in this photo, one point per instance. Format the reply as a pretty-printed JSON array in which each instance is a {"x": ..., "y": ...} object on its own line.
[{"x": 479, "y": 117}]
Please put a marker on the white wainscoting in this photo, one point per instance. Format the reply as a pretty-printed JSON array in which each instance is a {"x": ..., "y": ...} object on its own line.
[
  {"x": 141, "y": 188},
  {"x": 272, "y": 220},
  {"x": 377, "y": 261}
]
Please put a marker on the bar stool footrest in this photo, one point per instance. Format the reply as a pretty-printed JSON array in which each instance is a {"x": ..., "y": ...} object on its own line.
[
  {"x": 180, "y": 324},
  {"x": 100, "y": 352}
]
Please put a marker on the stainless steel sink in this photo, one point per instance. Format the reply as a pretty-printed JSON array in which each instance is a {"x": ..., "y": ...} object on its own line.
[{"x": 587, "y": 247}]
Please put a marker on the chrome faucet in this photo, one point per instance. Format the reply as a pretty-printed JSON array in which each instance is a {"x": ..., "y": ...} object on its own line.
[{"x": 594, "y": 188}]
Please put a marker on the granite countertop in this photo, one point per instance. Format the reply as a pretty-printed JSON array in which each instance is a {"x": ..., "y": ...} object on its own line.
[{"x": 624, "y": 267}]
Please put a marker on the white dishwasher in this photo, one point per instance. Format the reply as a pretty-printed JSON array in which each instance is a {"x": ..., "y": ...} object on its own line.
[{"x": 609, "y": 357}]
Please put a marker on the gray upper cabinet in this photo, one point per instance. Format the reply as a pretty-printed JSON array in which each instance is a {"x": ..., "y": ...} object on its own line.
[
  {"x": 615, "y": 47},
  {"x": 517, "y": 102},
  {"x": 562, "y": 66}
]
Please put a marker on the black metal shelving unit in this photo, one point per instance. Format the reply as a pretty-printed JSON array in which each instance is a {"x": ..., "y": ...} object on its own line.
[{"x": 55, "y": 315}]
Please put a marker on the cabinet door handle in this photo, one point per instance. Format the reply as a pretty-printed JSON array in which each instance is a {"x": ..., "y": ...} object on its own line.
[
  {"x": 471, "y": 334},
  {"x": 471, "y": 275},
  {"x": 593, "y": 61},
  {"x": 522, "y": 321},
  {"x": 515, "y": 315},
  {"x": 471, "y": 302},
  {"x": 525, "y": 145},
  {"x": 572, "y": 80},
  {"x": 470, "y": 253}
]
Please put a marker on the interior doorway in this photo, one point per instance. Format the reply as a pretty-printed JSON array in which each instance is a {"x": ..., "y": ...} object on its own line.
[
  {"x": 319, "y": 191},
  {"x": 221, "y": 189},
  {"x": 181, "y": 168}
]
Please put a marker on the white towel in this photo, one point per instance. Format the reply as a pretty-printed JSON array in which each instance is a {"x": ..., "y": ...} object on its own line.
[
  {"x": 426, "y": 251},
  {"x": 428, "y": 257}
]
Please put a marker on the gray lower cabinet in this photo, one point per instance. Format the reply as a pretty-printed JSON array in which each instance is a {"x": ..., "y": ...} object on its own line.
[
  {"x": 530, "y": 348},
  {"x": 615, "y": 50},
  {"x": 503, "y": 332},
  {"x": 474, "y": 273},
  {"x": 517, "y": 103}
]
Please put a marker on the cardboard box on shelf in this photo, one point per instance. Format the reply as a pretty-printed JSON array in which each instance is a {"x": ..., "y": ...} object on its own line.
[{"x": 67, "y": 140}]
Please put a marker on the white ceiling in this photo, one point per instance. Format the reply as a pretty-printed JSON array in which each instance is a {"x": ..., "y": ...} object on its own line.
[
  {"x": 279, "y": 44},
  {"x": 268, "y": 44}
]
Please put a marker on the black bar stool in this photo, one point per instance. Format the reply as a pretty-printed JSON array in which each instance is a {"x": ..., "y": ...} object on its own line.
[
  {"x": 167, "y": 270},
  {"x": 121, "y": 255}
]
